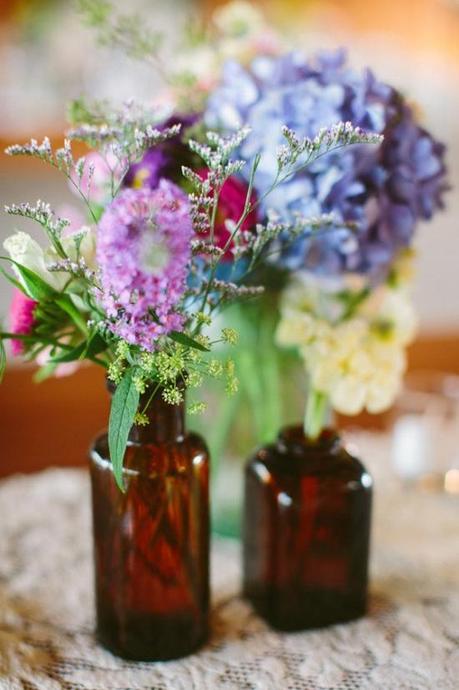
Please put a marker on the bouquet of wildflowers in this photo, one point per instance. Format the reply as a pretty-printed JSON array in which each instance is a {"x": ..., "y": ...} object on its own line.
[
  {"x": 345, "y": 295},
  {"x": 172, "y": 236}
]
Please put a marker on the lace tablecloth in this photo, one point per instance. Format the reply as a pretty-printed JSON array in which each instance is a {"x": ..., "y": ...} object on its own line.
[{"x": 408, "y": 641}]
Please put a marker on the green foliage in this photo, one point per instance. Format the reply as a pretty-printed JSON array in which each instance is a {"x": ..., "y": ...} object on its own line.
[
  {"x": 64, "y": 301},
  {"x": 34, "y": 286},
  {"x": 96, "y": 13},
  {"x": 80, "y": 111},
  {"x": 125, "y": 31},
  {"x": 186, "y": 340},
  {"x": 15, "y": 283},
  {"x": 70, "y": 356},
  {"x": 122, "y": 414}
]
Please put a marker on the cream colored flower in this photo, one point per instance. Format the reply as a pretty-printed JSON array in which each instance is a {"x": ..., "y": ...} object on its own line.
[
  {"x": 358, "y": 361},
  {"x": 23, "y": 249}
]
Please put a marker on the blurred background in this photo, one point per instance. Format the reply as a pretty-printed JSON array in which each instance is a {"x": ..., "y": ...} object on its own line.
[{"x": 47, "y": 57}]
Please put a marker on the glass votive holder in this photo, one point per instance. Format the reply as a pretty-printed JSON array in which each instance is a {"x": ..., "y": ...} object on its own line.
[{"x": 425, "y": 432}]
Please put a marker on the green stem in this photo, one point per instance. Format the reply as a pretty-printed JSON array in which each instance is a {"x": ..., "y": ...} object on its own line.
[
  {"x": 270, "y": 376},
  {"x": 316, "y": 414}
]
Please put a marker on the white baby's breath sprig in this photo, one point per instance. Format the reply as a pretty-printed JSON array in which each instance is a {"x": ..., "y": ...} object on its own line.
[
  {"x": 124, "y": 134},
  {"x": 43, "y": 214},
  {"x": 78, "y": 269},
  {"x": 326, "y": 140},
  {"x": 33, "y": 149}
]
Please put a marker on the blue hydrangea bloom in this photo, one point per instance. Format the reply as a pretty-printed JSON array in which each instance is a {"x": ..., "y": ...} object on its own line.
[{"x": 386, "y": 189}]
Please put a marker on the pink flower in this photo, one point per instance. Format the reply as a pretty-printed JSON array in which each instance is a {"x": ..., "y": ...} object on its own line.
[
  {"x": 97, "y": 186},
  {"x": 230, "y": 207},
  {"x": 63, "y": 369},
  {"x": 143, "y": 251},
  {"x": 74, "y": 215},
  {"x": 22, "y": 319}
]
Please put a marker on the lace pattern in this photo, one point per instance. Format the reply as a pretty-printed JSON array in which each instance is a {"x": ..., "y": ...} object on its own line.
[{"x": 408, "y": 641}]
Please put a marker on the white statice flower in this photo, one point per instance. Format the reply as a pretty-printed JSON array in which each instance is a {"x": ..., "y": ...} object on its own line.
[
  {"x": 23, "y": 249},
  {"x": 357, "y": 360}
]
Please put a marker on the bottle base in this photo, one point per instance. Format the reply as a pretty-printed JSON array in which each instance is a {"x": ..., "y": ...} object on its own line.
[
  {"x": 146, "y": 639},
  {"x": 313, "y": 609}
]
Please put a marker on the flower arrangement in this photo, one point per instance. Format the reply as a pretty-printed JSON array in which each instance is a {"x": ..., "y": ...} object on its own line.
[
  {"x": 136, "y": 290},
  {"x": 354, "y": 353},
  {"x": 262, "y": 169}
]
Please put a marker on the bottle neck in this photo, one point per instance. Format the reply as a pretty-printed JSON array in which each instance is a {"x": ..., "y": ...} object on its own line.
[
  {"x": 294, "y": 438},
  {"x": 165, "y": 422}
]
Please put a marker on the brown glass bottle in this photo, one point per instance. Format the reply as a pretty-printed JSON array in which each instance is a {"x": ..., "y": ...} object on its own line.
[
  {"x": 306, "y": 532},
  {"x": 151, "y": 543}
]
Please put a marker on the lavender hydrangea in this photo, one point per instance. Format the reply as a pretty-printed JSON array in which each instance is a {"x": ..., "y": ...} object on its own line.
[
  {"x": 385, "y": 189},
  {"x": 143, "y": 250}
]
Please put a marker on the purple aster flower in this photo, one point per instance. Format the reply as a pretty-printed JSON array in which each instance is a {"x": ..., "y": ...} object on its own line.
[
  {"x": 143, "y": 251},
  {"x": 164, "y": 160},
  {"x": 386, "y": 189}
]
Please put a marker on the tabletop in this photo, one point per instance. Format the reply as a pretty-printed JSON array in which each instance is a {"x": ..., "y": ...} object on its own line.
[{"x": 408, "y": 640}]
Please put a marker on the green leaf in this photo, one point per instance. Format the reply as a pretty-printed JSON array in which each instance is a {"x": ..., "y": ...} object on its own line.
[
  {"x": 88, "y": 349},
  {"x": 44, "y": 372},
  {"x": 35, "y": 287},
  {"x": 124, "y": 406},
  {"x": 186, "y": 340},
  {"x": 12, "y": 280},
  {"x": 33, "y": 339},
  {"x": 71, "y": 355},
  {"x": 65, "y": 303},
  {"x": 94, "y": 345}
]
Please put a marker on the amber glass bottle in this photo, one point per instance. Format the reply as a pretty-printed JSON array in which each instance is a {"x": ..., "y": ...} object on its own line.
[
  {"x": 152, "y": 542},
  {"x": 306, "y": 532}
]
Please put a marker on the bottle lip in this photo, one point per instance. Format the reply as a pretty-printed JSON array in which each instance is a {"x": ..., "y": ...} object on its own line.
[{"x": 294, "y": 436}]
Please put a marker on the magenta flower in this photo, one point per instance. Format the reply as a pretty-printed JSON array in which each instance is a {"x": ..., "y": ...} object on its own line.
[
  {"x": 143, "y": 251},
  {"x": 22, "y": 319},
  {"x": 230, "y": 207}
]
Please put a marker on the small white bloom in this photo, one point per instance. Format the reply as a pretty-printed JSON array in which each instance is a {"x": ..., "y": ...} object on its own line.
[{"x": 23, "y": 249}]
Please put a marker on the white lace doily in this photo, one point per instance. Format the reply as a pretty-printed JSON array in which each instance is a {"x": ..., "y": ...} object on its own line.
[{"x": 409, "y": 640}]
